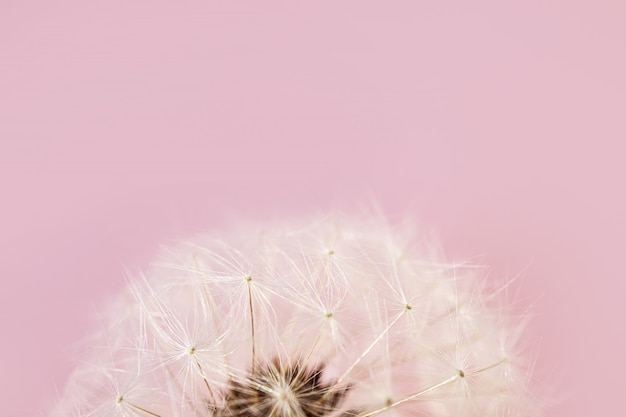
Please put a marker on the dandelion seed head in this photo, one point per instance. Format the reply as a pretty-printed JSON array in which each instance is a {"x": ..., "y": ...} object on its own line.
[{"x": 339, "y": 316}]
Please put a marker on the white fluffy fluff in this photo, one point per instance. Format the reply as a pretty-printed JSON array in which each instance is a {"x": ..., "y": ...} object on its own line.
[{"x": 406, "y": 333}]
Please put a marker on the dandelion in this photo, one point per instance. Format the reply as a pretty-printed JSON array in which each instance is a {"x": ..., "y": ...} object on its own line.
[{"x": 341, "y": 317}]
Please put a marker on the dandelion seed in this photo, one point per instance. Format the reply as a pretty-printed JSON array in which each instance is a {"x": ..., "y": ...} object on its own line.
[{"x": 339, "y": 317}]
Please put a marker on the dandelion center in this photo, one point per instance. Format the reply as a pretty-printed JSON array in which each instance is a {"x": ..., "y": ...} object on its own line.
[{"x": 283, "y": 390}]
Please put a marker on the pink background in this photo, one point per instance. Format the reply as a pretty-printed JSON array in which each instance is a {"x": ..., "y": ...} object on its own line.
[{"x": 127, "y": 123}]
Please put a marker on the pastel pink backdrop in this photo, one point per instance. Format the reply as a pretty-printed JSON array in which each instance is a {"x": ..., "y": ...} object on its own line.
[{"x": 124, "y": 124}]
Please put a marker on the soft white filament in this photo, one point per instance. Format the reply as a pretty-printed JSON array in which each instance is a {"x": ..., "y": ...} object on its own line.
[{"x": 408, "y": 333}]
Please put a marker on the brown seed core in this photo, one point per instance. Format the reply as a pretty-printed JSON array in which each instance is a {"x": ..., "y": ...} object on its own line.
[{"x": 279, "y": 389}]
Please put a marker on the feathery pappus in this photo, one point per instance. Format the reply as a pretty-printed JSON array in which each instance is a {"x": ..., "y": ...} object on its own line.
[{"x": 340, "y": 316}]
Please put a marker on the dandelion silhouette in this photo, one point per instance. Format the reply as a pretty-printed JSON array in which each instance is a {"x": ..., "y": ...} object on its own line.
[{"x": 335, "y": 317}]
